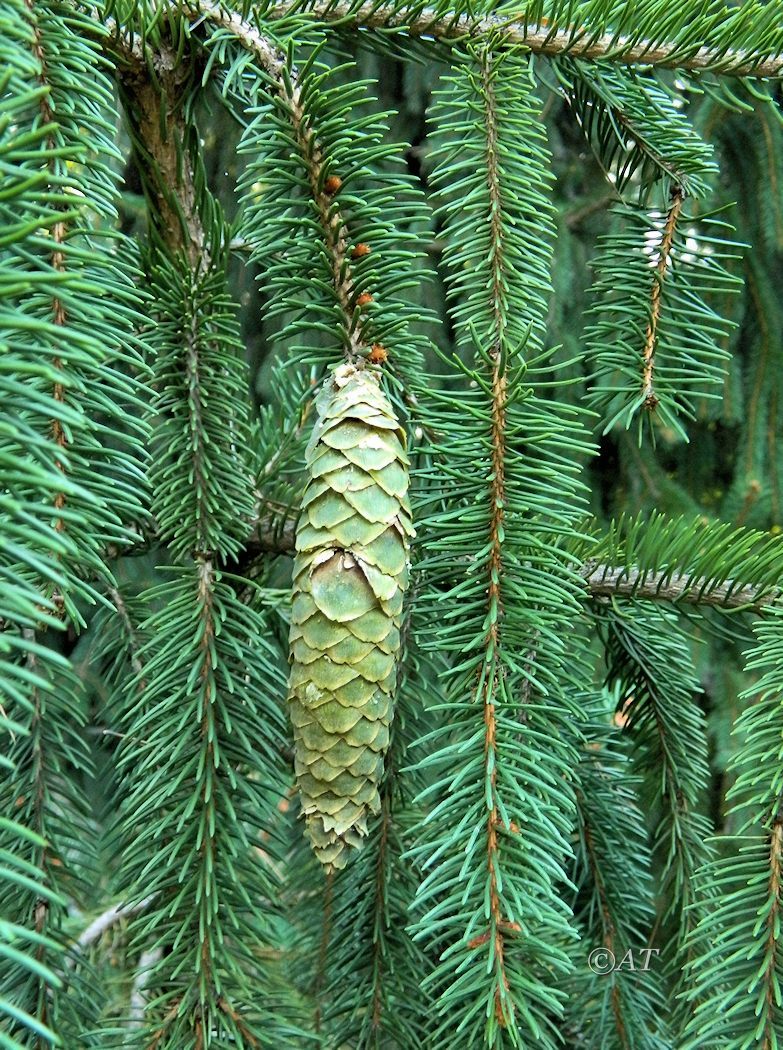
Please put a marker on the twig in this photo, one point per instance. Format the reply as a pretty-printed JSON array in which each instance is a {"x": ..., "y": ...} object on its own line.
[
  {"x": 575, "y": 41},
  {"x": 138, "y": 1000},
  {"x": 130, "y": 630},
  {"x": 603, "y": 581},
  {"x": 322, "y": 184},
  {"x": 659, "y": 276},
  {"x": 607, "y": 581},
  {"x": 99, "y": 926}
]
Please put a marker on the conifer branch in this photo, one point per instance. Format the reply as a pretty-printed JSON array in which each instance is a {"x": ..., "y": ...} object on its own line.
[
  {"x": 648, "y": 659},
  {"x": 165, "y": 165},
  {"x": 536, "y": 34},
  {"x": 614, "y": 900},
  {"x": 107, "y": 919},
  {"x": 203, "y": 498},
  {"x": 650, "y": 399},
  {"x": 276, "y": 536},
  {"x": 488, "y": 688},
  {"x": 323, "y": 187},
  {"x": 646, "y": 269},
  {"x": 207, "y": 890},
  {"x": 130, "y": 632},
  {"x": 324, "y": 184},
  {"x": 609, "y": 581},
  {"x": 607, "y": 922},
  {"x": 735, "y": 958},
  {"x": 772, "y": 922},
  {"x": 35, "y": 753},
  {"x": 58, "y": 234}
]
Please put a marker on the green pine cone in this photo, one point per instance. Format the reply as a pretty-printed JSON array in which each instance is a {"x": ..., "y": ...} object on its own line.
[{"x": 350, "y": 571}]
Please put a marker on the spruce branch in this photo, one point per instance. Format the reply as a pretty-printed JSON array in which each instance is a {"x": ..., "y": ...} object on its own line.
[
  {"x": 772, "y": 921},
  {"x": 203, "y": 507},
  {"x": 736, "y": 960},
  {"x": 686, "y": 559},
  {"x": 649, "y": 662},
  {"x": 66, "y": 383},
  {"x": 43, "y": 921},
  {"x": 649, "y": 397},
  {"x": 597, "y": 42},
  {"x": 324, "y": 183},
  {"x": 492, "y": 846},
  {"x": 164, "y": 161},
  {"x": 208, "y": 891},
  {"x": 206, "y": 674},
  {"x": 613, "y": 902},
  {"x": 613, "y": 581},
  {"x": 656, "y": 340},
  {"x": 58, "y": 233},
  {"x": 609, "y": 934},
  {"x": 487, "y": 692},
  {"x": 275, "y": 534},
  {"x": 636, "y": 128}
]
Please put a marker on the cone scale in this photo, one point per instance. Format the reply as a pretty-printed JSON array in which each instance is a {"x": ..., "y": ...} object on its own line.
[{"x": 350, "y": 571}]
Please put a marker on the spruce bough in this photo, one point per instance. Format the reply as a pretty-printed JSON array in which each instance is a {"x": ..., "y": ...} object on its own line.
[
  {"x": 556, "y": 780},
  {"x": 350, "y": 572}
]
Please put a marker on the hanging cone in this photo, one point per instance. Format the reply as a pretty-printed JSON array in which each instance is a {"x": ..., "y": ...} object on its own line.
[{"x": 350, "y": 571}]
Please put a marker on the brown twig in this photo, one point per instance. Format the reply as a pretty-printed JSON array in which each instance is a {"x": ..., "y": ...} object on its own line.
[
  {"x": 324, "y": 184},
  {"x": 773, "y": 928},
  {"x": 497, "y": 501},
  {"x": 538, "y": 36},
  {"x": 659, "y": 276},
  {"x": 608, "y": 581}
]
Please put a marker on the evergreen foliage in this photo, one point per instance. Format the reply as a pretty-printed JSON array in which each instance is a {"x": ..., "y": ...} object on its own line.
[{"x": 276, "y": 281}]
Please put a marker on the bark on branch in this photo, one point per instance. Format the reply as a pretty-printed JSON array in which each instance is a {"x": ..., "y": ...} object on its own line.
[
  {"x": 603, "y": 581},
  {"x": 575, "y": 41},
  {"x": 608, "y": 581}
]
